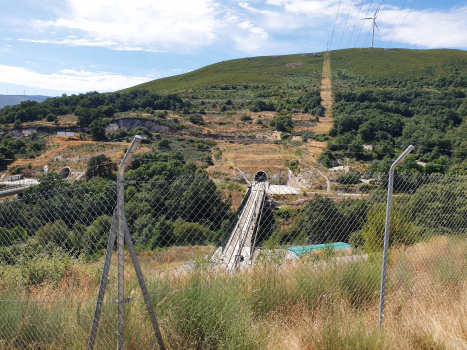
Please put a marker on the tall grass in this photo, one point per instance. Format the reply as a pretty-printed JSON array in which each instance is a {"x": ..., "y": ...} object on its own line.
[
  {"x": 309, "y": 304},
  {"x": 345, "y": 331}
]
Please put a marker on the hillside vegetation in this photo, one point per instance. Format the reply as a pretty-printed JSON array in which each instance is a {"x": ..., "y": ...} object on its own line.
[
  {"x": 384, "y": 98},
  {"x": 393, "y": 98},
  {"x": 271, "y": 71}
]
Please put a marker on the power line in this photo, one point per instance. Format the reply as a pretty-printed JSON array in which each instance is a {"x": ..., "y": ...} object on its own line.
[
  {"x": 345, "y": 25},
  {"x": 402, "y": 8},
  {"x": 335, "y": 21},
  {"x": 355, "y": 24},
  {"x": 402, "y": 23}
]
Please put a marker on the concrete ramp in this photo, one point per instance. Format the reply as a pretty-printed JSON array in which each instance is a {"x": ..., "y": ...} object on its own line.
[{"x": 239, "y": 248}]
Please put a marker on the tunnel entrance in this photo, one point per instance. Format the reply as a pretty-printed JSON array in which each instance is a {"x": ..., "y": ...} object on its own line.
[
  {"x": 64, "y": 172},
  {"x": 261, "y": 176}
]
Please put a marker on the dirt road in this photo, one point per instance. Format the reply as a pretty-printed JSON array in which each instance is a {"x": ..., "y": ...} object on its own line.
[{"x": 326, "y": 93}]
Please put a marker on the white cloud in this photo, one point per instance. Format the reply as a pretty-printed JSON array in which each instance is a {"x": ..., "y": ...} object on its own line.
[
  {"x": 425, "y": 28},
  {"x": 69, "y": 79},
  {"x": 137, "y": 25},
  {"x": 429, "y": 28},
  {"x": 254, "y": 26}
]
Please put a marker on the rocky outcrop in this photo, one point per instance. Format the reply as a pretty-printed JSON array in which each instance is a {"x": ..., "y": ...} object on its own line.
[{"x": 133, "y": 123}]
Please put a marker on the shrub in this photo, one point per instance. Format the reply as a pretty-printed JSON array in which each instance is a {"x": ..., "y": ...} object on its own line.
[
  {"x": 191, "y": 233},
  {"x": 160, "y": 115},
  {"x": 350, "y": 178},
  {"x": 285, "y": 137},
  {"x": 164, "y": 143},
  {"x": 223, "y": 108},
  {"x": 282, "y": 123},
  {"x": 402, "y": 228},
  {"x": 50, "y": 118},
  {"x": 196, "y": 119},
  {"x": 52, "y": 232},
  {"x": 258, "y": 106},
  {"x": 245, "y": 117},
  {"x": 13, "y": 236}
]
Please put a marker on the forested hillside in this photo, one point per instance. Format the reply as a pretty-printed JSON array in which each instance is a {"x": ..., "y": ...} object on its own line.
[
  {"x": 386, "y": 99},
  {"x": 390, "y": 105}
]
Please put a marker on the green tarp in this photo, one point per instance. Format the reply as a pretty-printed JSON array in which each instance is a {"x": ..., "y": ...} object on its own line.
[{"x": 305, "y": 249}]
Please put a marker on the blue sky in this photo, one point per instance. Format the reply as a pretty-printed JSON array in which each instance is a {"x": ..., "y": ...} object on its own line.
[{"x": 72, "y": 46}]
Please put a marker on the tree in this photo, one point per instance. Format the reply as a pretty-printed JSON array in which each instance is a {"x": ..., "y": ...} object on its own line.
[
  {"x": 223, "y": 108},
  {"x": 403, "y": 230},
  {"x": 101, "y": 166},
  {"x": 87, "y": 115},
  {"x": 50, "y": 118},
  {"x": 108, "y": 111},
  {"x": 97, "y": 128},
  {"x": 164, "y": 143},
  {"x": 458, "y": 169}
]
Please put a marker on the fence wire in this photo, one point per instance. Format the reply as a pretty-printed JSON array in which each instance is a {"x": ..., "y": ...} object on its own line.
[{"x": 260, "y": 261}]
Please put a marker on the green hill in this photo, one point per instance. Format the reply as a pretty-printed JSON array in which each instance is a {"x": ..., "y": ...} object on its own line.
[
  {"x": 273, "y": 71},
  {"x": 267, "y": 70}
]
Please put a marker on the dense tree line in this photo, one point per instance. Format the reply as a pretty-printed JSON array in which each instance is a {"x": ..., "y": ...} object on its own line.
[
  {"x": 91, "y": 106},
  {"x": 25, "y": 147},
  {"x": 435, "y": 122},
  {"x": 175, "y": 204}
]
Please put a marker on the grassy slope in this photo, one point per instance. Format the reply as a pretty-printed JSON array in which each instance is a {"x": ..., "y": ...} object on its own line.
[
  {"x": 267, "y": 70},
  {"x": 386, "y": 62},
  {"x": 277, "y": 70}
]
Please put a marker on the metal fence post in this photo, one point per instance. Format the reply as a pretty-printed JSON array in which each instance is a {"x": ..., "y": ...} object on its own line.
[
  {"x": 387, "y": 231},
  {"x": 121, "y": 240},
  {"x": 103, "y": 285}
]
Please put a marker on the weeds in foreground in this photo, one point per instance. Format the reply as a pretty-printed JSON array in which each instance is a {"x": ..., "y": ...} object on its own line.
[
  {"x": 345, "y": 332},
  {"x": 328, "y": 304}
]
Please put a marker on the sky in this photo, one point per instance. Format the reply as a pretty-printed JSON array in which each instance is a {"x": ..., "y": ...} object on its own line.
[{"x": 74, "y": 46}]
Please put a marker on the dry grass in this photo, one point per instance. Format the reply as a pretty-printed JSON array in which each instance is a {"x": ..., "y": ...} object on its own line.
[
  {"x": 310, "y": 304},
  {"x": 68, "y": 120},
  {"x": 326, "y": 92},
  {"x": 73, "y": 152}
]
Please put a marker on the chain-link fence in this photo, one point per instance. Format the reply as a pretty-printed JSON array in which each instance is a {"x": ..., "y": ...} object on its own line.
[{"x": 260, "y": 261}]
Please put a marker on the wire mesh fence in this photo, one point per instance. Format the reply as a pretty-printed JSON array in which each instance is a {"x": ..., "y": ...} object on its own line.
[{"x": 258, "y": 261}]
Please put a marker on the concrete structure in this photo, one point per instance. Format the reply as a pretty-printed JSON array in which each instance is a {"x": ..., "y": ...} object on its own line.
[
  {"x": 239, "y": 250},
  {"x": 8, "y": 188},
  {"x": 65, "y": 172}
]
